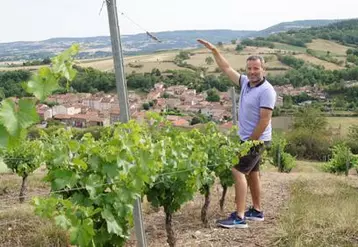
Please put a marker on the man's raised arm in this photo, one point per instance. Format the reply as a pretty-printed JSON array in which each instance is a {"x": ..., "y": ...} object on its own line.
[{"x": 222, "y": 62}]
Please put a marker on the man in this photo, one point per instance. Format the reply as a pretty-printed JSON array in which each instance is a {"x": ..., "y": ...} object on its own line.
[{"x": 257, "y": 101}]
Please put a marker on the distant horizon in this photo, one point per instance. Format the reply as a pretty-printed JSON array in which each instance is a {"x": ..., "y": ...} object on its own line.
[{"x": 178, "y": 30}]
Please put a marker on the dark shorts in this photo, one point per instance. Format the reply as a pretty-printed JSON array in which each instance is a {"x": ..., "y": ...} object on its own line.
[{"x": 251, "y": 161}]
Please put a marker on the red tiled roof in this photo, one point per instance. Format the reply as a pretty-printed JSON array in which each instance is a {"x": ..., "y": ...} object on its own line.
[
  {"x": 181, "y": 122},
  {"x": 62, "y": 116}
]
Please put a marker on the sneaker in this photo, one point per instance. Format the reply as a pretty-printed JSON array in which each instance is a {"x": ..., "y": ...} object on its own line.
[
  {"x": 253, "y": 214},
  {"x": 233, "y": 221}
]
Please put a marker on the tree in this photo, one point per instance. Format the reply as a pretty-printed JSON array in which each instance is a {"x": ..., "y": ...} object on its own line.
[
  {"x": 287, "y": 101},
  {"x": 23, "y": 160},
  {"x": 309, "y": 137},
  {"x": 212, "y": 95},
  {"x": 349, "y": 51},
  {"x": 239, "y": 48},
  {"x": 146, "y": 106},
  {"x": 195, "y": 120},
  {"x": 209, "y": 60},
  {"x": 156, "y": 72},
  {"x": 233, "y": 41},
  {"x": 183, "y": 55}
]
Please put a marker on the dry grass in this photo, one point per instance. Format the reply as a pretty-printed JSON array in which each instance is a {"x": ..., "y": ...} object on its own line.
[
  {"x": 284, "y": 122},
  {"x": 326, "y": 45},
  {"x": 155, "y": 60},
  {"x": 344, "y": 122},
  {"x": 236, "y": 60},
  {"x": 314, "y": 60},
  {"x": 306, "y": 166},
  {"x": 251, "y": 50},
  {"x": 322, "y": 212},
  {"x": 149, "y": 62},
  {"x": 19, "y": 227},
  {"x": 31, "y": 68},
  {"x": 10, "y": 188}
]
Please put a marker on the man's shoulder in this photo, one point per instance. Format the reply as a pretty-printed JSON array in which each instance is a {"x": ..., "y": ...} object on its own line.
[
  {"x": 268, "y": 86},
  {"x": 243, "y": 79}
]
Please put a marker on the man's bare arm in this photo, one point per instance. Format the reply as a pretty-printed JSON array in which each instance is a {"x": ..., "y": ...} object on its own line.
[
  {"x": 222, "y": 62},
  {"x": 265, "y": 117}
]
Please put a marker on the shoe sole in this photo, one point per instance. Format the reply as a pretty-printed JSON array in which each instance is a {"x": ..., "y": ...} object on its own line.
[
  {"x": 255, "y": 219},
  {"x": 239, "y": 226}
]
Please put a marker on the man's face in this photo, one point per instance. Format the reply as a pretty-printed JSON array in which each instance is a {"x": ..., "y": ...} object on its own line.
[{"x": 255, "y": 71}]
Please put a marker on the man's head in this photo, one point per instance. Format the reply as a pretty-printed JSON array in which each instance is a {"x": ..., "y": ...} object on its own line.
[{"x": 255, "y": 68}]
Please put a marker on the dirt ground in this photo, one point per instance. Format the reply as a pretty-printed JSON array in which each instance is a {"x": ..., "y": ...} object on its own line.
[{"x": 190, "y": 231}]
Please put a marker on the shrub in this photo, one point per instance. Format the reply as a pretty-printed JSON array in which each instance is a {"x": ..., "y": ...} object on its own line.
[
  {"x": 341, "y": 155},
  {"x": 280, "y": 159}
]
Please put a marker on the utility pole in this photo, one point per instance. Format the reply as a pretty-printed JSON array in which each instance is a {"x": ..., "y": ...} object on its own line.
[
  {"x": 234, "y": 107},
  {"x": 121, "y": 85}
]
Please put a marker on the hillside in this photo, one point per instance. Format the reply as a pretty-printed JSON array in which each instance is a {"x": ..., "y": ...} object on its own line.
[
  {"x": 344, "y": 32},
  {"x": 97, "y": 47},
  {"x": 286, "y": 26}
]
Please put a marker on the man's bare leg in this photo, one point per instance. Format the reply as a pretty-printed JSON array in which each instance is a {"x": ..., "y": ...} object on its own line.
[
  {"x": 240, "y": 192},
  {"x": 255, "y": 189}
]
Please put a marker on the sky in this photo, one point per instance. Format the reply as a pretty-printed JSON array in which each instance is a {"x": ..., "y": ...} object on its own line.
[{"x": 34, "y": 20}]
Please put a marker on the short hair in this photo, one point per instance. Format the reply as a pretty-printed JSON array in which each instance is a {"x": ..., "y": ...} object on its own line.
[{"x": 256, "y": 57}]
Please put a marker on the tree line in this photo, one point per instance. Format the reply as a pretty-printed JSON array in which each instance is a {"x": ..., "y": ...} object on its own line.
[{"x": 344, "y": 32}]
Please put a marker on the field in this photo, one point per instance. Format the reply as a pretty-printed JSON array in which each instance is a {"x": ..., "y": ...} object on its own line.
[
  {"x": 147, "y": 61},
  {"x": 294, "y": 215},
  {"x": 326, "y": 45},
  {"x": 343, "y": 122},
  {"x": 163, "y": 60},
  {"x": 314, "y": 60},
  {"x": 288, "y": 47},
  {"x": 283, "y": 123}
]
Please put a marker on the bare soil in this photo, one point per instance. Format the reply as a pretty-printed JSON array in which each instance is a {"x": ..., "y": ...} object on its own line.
[{"x": 191, "y": 232}]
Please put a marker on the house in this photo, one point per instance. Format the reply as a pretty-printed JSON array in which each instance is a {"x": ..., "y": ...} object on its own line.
[
  {"x": 158, "y": 86},
  {"x": 279, "y": 101},
  {"x": 172, "y": 118},
  {"x": 181, "y": 122},
  {"x": 79, "y": 120},
  {"x": 139, "y": 116},
  {"x": 82, "y": 120},
  {"x": 176, "y": 90},
  {"x": 93, "y": 102},
  {"x": 153, "y": 95},
  {"x": 69, "y": 98},
  {"x": 172, "y": 103},
  {"x": 97, "y": 121},
  {"x": 64, "y": 118},
  {"x": 44, "y": 111},
  {"x": 114, "y": 115},
  {"x": 105, "y": 103},
  {"x": 66, "y": 109}
]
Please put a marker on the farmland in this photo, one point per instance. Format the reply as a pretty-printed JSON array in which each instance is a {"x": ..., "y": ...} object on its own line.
[
  {"x": 284, "y": 123},
  {"x": 326, "y": 45}
]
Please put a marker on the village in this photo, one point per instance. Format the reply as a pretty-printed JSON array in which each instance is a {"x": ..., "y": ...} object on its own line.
[{"x": 83, "y": 110}]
